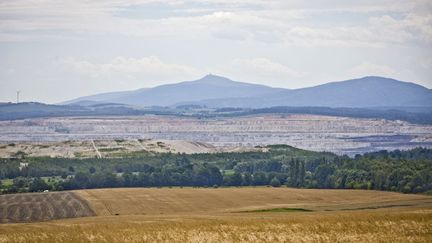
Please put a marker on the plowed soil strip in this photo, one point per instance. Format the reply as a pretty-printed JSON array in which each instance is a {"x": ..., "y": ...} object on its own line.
[{"x": 30, "y": 207}]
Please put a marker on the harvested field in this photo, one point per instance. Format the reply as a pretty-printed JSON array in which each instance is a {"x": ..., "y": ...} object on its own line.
[
  {"x": 212, "y": 215},
  {"x": 189, "y": 201},
  {"x": 28, "y": 207},
  {"x": 381, "y": 226}
]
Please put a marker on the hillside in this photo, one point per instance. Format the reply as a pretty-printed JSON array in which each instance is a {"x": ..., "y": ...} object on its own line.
[
  {"x": 30, "y": 207},
  {"x": 217, "y": 91},
  {"x": 153, "y": 201},
  {"x": 208, "y": 87},
  {"x": 367, "y": 92},
  {"x": 83, "y": 108},
  {"x": 13, "y": 111},
  {"x": 33, "y": 207},
  {"x": 403, "y": 225},
  {"x": 230, "y": 215},
  {"x": 216, "y": 96}
]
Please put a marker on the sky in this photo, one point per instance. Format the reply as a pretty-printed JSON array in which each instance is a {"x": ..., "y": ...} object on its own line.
[{"x": 52, "y": 51}]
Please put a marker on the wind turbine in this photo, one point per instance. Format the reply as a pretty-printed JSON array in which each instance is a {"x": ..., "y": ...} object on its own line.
[{"x": 18, "y": 92}]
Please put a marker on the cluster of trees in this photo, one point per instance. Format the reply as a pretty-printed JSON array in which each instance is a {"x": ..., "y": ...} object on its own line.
[
  {"x": 292, "y": 173},
  {"x": 405, "y": 171},
  {"x": 26, "y": 184},
  {"x": 185, "y": 174}
]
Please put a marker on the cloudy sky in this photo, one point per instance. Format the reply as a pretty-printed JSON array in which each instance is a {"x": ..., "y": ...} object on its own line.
[{"x": 57, "y": 50}]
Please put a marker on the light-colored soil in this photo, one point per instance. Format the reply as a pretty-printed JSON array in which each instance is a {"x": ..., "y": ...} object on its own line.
[
  {"x": 109, "y": 148},
  {"x": 319, "y": 133}
]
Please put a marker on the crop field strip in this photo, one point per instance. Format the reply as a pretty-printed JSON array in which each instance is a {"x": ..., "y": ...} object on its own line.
[
  {"x": 247, "y": 214},
  {"x": 230, "y": 201},
  {"x": 31, "y": 207},
  {"x": 264, "y": 218}
]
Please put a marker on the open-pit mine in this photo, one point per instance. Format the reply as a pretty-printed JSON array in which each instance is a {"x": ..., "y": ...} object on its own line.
[{"x": 169, "y": 133}]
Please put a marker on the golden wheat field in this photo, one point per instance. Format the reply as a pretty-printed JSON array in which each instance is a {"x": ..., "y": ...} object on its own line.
[{"x": 237, "y": 215}]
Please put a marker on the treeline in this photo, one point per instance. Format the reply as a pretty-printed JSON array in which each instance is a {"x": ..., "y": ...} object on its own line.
[
  {"x": 13, "y": 111},
  {"x": 404, "y": 171},
  {"x": 181, "y": 175}
]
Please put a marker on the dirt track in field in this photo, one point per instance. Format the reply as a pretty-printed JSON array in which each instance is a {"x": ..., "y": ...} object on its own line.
[{"x": 29, "y": 207}]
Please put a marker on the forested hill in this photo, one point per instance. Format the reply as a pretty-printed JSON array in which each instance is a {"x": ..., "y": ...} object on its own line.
[
  {"x": 216, "y": 91},
  {"x": 12, "y": 111},
  {"x": 404, "y": 171}
]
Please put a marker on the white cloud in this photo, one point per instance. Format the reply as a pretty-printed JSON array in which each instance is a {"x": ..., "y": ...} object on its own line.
[
  {"x": 269, "y": 22},
  {"x": 378, "y": 32},
  {"x": 261, "y": 70},
  {"x": 411, "y": 27},
  {"x": 149, "y": 71},
  {"x": 322, "y": 38},
  {"x": 371, "y": 69}
]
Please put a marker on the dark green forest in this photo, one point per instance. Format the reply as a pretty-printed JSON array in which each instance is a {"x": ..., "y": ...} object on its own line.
[
  {"x": 403, "y": 171},
  {"x": 12, "y": 111}
]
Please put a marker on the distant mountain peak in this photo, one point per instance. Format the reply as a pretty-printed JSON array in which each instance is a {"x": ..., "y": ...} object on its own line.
[
  {"x": 218, "y": 91},
  {"x": 375, "y": 77},
  {"x": 211, "y": 78},
  {"x": 375, "y": 82},
  {"x": 379, "y": 79}
]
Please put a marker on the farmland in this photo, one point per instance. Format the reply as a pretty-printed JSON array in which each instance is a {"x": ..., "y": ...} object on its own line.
[
  {"x": 215, "y": 215},
  {"x": 180, "y": 201}
]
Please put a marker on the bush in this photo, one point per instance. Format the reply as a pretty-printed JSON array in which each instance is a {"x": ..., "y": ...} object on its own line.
[
  {"x": 38, "y": 185},
  {"x": 275, "y": 182}
]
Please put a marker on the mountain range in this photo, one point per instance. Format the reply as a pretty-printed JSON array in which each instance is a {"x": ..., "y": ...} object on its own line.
[
  {"x": 215, "y": 96},
  {"x": 216, "y": 91}
]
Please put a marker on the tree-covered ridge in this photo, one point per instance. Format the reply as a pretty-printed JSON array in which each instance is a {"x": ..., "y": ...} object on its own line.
[
  {"x": 405, "y": 171},
  {"x": 13, "y": 111}
]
